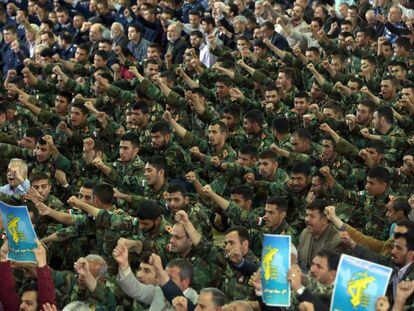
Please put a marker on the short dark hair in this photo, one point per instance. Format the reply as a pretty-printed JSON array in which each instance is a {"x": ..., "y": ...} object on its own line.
[
  {"x": 401, "y": 204},
  {"x": 255, "y": 116},
  {"x": 158, "y": 162},
  {"x": 380, "y": 173},
  {"x": 39, "y": 176},
  {"x": 243, "y": 233},
  {"x": 104, "y": 192},
  {"x": 302, "y": 133},
  {"x": 245, "y": 191},
  {"x": 281, "y": 203},
  {"x": 81, "y": 106},
  {"x": 34, "y": 132},
  {"x": 378, "y": 145},
  {"x": 140, "y": 106},
  {"x": 222, "y": 126},
  {"x": 233, "y": 110},
  {"x": 131, "y": 137},
  {"x": 177, "y": 188},
  {"x": 369, "y": 104},
  {"x": 268, "y": 154},
  {"x": 332, "y": 258},
  {"x": 319, "y": 205},
  {"x": 249, "y": 150},
  {"x": 281, "y": 125},
  {"x": 301, "y": 168},
  {"x": 161, "y": 126},
  {"x": 387, "y": 113},
  {"x": 409, "y": 238}
]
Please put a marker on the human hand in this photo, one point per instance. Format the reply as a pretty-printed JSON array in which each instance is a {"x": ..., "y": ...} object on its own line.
[
  {"x": 40, "y": 254},
  {"x": 295, "y": 277}
]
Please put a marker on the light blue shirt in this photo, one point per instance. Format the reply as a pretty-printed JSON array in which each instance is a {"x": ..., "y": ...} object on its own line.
[{"x": 19, "y": 190}]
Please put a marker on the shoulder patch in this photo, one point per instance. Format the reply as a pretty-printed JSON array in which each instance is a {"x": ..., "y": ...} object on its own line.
[
  {"x": 225, "y": 153},
  {"x": 165, "y": 195},
  {"x": 169, "y": 229}
]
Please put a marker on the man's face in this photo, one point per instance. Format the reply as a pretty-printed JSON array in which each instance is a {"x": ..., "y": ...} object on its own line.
[
  {"x": 232, "y": 242},
  {"x": 315, "y": 222},
  {"x": 138, "y": 117},
  {"x": 399, "y": 252},
  {"x": 42, "y": 153},
  {"x": 312, "y": 56},
  {"x": 222, "y": 90},
  {"x": 147, "y": 225},
  {"x": 301, "y": 105},
  {"x": 281, "y": 81},
  {"x": 146, "y": 274},
  {"x": 391, "y": 214},
  {"x": 353, "y": 86},
  {"x": 328, "y": 151},
  {"x": 179, "y": 241},
  {"x": 153, "y": 53},
  {"x": 61, "y": 104},
  {"x": 176, "y": 201},
  {"x": 259, "y": 52},
  {"x": 116, "y": 31},
  {"x": 77, "y": 117},
  {"x": 173, "y": 34},
  {"x": 375, "y": 187},
  {"x": 28, "y": 142},
  {"x": 151, "y": 174},
  {"x": 133, "y": 34},
  {"x": 85, "y": 195},
  {"x": 271, "y": 97},
  {"x": 215, "y": 135},
  {"x": 195, "y": 41},
  {"x": 95, "y": 34},
  {"x": 317, "y": 186},
  {"x": 45, "y": 39},
  {"x": 387, "y": 89},
  {"x": 29, "y": 301},
  {"x": 81, "y": 55},
  {"x": 229, "y": 120},
  {"x": 194, "y": 21},
  {"x": 239, "y": 27},
  {"x": 104, "y": 46},
  {"x": 298, "y": 144},
  {"x": 297, "y": 13},
  {"x": 398, "y": 72},
  {"x": 205, "y": 302},
  {"x": 207, "y": 28},
  {"x": 320, "y": 271},
  {"x": 337, "y": 64},
  {"x": 62, "y": 17},
  {"x": 394, "y": 15},
  {"x": 241, "y": 201},
  {"x": 272, "y": 216},
  {"x": 363, "y": 116},
  {"x": 151, "y": 70},
  {"x": 407, "y": 94},
  {"x": 299, "y": 182},
  {"x": 248, "y": 126},
  {"x": 127, "y": 151},
  {"x": 374, "y": 154},
  {"x": 9, "y": 36},
  {"x": 267, "y": 168},
  {"x": 315, "y": 26},
  {"x": 99, "y": 62},
  {"x": 246, "y": 160},
  {"x": 158, "y": 140},
  {"x": 42, "y": 186},
  {"x": 78, "y": 21},
  {"x": 361, "y": 39},
  {"x": 12, "y": 170},
  {"x": 377, "y": 121}
]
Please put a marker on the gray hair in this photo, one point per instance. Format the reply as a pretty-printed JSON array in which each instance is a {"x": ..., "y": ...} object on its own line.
[
  {"x": 239, "y": 305},
  {"x": 186, "y": 268},
  {"x": 240, "y": 18},
  {"x": 21, "y": 164},
  {"x": 77, "y": 306},
  {"x": 218, "y": 297},
  {"x": 104, "y": 266}
]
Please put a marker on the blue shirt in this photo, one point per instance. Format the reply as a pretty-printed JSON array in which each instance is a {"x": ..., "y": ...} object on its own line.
[{"x": 19, "y": 190}]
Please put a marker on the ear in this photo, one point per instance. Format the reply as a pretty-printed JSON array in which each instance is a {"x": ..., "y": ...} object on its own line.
[{"x": 186, "y": 200}]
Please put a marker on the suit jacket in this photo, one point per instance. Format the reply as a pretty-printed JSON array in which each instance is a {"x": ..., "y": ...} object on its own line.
[
  {"x": 177, "y": 50},
  {"x": 148, "y": 294},
  {"x": 366, "y": 254}
]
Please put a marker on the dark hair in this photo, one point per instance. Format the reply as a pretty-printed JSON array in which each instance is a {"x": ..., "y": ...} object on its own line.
[
  {"x": 302, "y": 133},
  {"x": 255, "y": 116},
  {"x": 222, "y": 126},
  {"x": 39, "y": 176},
  {"x": 332, "y": 258},
  {"x": 243, "y": 233},
  {"x": 301, "y": 168},
  {"x": 369, "y": 104},
  {"x": 140, "y": 106},
  {"x": 387, "y": 113},
  {"x": 245, "y": 191},
  {"x": 409, "y": 238},
  {"x": 161, "y": 126},
  {"x": 281, "y": 125},
  {"x": 88, "y": 184},
  {"x": 249, "y": 150},
  {"x": 104, "y": 192},
  {"x": 233, "y": 110},
  {"x": 177, "y": 188},
  {"x": 81, "y": 106},
  {"x": 158, "y": 162},
  {"x": 401, "y": 204},
  {"x": 318, "y": 205},
  {"x": 268, "y": 154},
  {"x": 281, "y": 203},
  {"x": 404, "y": 43},
  {"x": 103, "y": 54},
  {"x": 380, "y": 173},
  {"x": 131, "y": 137},
  {"x": 66, "y": 95},
  {"x": 378, "y": 145},
  {"x": 197, "y": 33},
  {"x": 136, "y": 27},
  {"x": 34, "y": 132}
]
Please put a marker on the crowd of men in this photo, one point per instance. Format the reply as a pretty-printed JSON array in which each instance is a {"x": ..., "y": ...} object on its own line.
[{"x": 155, "y": 142}]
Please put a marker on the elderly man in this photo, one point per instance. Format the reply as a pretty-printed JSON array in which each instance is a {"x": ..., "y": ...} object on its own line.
[
  {"x": 17, "y": 178},
  {"x": 176, "y": 45}
]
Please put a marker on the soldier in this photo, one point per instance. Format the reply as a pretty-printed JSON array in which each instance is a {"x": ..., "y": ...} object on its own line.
[{"x": 253, "y": 123}]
